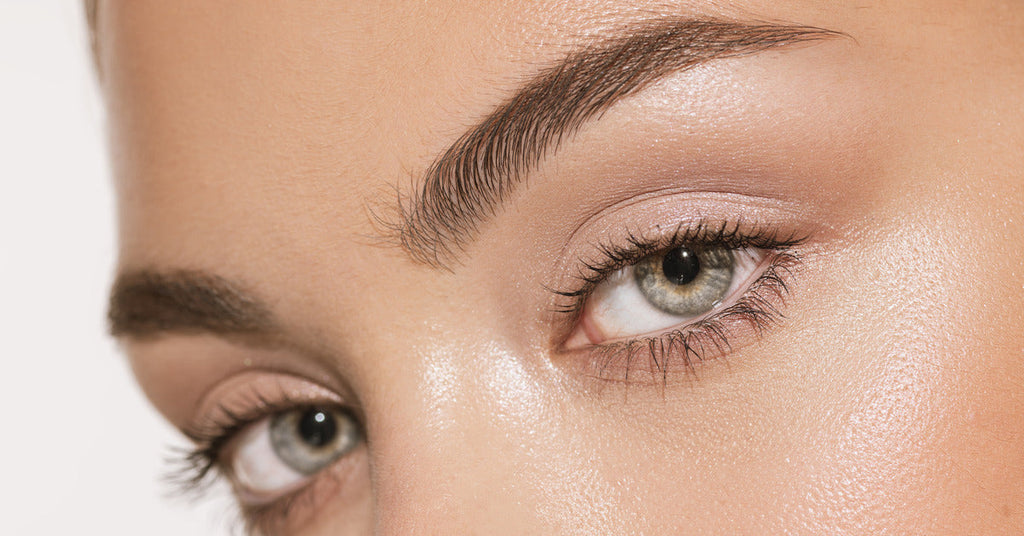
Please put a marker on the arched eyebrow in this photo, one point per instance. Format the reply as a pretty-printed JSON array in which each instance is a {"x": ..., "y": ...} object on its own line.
[{"x": 468, "y": 182}]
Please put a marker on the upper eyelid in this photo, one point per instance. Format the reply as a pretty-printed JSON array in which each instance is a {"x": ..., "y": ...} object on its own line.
[
  {"x": 232, "y": 422},
  {"x": 611, "y": 257},
  {"x": 228, "y": 409},
  {"x": 253, "y": 389},
  {"x": 196, "y": 465},
  {"x": 228, "y": 421}
]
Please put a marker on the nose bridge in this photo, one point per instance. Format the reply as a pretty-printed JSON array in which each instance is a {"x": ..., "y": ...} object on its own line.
[{"x": 452, "y": 447}]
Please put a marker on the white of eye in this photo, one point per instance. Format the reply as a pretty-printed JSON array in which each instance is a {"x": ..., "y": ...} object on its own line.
[
  {"x": 618, "y": 307},
  {"x": 281, "y": 453}
]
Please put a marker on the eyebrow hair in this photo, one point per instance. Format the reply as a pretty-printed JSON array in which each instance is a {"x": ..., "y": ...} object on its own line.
[
  {"x": 145, "y": 303},
  {"x": 468, "y": 182}
]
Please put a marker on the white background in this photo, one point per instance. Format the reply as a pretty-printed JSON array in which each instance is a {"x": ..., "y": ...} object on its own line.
[{"x": 81, "y": 451}]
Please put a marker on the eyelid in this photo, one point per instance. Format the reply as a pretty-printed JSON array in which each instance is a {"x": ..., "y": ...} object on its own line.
[
  {"x": 242, "y": 402},
  {"x": 231, "y": 406},
  {"x": 752, "y": 261},
  {"x": 661, "y": 210},
  {"x": 757, "y": 307},
  {"x": 609, "y": 255},
  {"x": 256, "y": 392}
]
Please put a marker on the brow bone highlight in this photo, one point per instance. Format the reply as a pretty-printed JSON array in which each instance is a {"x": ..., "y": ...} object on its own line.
[{"x": 478, "y": 172}]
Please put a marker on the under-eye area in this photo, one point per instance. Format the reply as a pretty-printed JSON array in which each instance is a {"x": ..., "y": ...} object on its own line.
[{"x": 664, "y": 303}]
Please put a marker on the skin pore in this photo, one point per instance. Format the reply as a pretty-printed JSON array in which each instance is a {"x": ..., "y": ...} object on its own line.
[{"x": 416, "y": 217}]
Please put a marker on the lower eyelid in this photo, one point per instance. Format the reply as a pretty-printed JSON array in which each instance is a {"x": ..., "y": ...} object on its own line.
[{"x": 345, "y": 483}]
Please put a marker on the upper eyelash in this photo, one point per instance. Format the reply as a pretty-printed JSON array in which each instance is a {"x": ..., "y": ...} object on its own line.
[
  {"x": 736, "y": 235},
  {"x": 694, "y": 340},
  {"x": 194, "y": 468}
]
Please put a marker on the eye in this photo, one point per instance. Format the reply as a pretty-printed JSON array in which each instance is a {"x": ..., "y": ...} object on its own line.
[
  {"x": 280, "y": 453},
  {"x": 664, "y": 290}
]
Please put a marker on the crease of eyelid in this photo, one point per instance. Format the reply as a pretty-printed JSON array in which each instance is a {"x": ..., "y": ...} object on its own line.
[
  {"x": 647, "y": 195},
  {"x": 468, "y": 182}
]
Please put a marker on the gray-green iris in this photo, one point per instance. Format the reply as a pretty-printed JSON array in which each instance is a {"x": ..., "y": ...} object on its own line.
[
  {"x": 309, "y": 439},
  {"x": 685, "y": 281}
]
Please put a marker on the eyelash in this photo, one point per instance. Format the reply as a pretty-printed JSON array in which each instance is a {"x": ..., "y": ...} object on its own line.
[
  {"x": 759, "y": 306},
  {"x": 194, "y": 469}
]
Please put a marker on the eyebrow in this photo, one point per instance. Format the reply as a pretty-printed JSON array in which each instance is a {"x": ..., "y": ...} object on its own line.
[
  {"x": 469, "y": 181},
  {"x": 145, "y": 303}
]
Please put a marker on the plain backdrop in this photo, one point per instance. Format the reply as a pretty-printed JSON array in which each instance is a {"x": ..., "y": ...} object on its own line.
[{"x": 82, "y": 451}]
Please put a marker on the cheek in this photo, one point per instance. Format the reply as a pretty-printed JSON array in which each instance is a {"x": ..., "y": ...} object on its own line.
[
  {"x": 498, "y": 446},
  {"x": 919, "y": 417}
]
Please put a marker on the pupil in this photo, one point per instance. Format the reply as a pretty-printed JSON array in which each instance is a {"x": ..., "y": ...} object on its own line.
[
  {"x": 317, "y": 428},
  {"x": 681, "y": 266}
]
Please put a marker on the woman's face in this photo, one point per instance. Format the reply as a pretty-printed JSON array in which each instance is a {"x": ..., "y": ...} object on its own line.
[{"x": 667, "y": 267}]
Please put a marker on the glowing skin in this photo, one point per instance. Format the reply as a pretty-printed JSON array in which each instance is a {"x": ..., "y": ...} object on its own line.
[{"x": 259, "y": 142}]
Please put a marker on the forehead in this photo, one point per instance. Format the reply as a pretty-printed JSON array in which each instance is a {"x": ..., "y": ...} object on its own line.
[{"x": 327, "y": 98}]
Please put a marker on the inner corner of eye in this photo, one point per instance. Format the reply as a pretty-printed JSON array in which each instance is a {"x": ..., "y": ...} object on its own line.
[
  {"x": 584, "y": 333},
  {"x": 592, "y": 327}
]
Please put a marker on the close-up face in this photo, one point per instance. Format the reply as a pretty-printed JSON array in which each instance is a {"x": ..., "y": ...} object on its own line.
[{"x": 578, "y": 267}]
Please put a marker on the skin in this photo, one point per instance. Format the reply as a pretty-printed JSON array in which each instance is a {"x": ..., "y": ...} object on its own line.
[{"x": 264, "y": 144}]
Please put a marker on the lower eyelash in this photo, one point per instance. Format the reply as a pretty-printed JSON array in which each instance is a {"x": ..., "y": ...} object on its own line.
[
  {"x": 195, "y": 470},
  {"x": 758, "y": 308}
]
